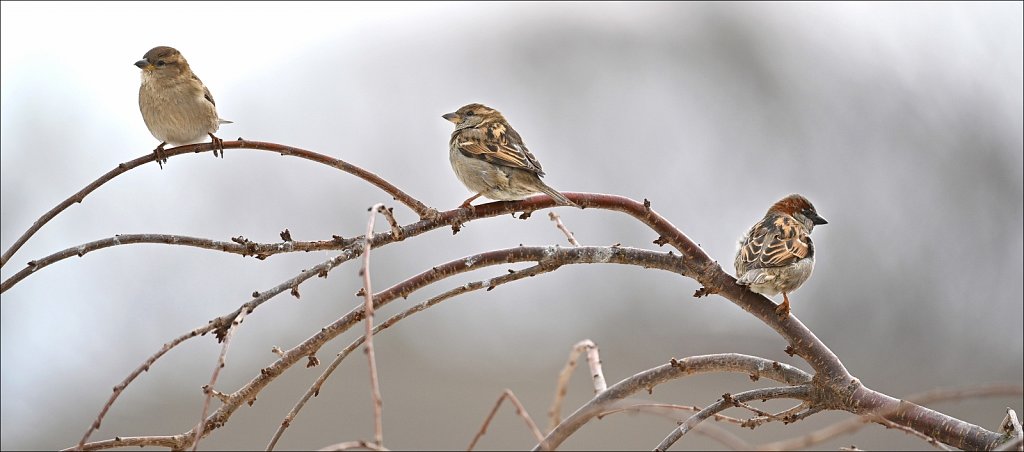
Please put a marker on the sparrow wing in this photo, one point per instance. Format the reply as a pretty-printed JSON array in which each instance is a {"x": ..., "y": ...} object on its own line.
[
  {"x": 776, "y": 241},
  {"x": 208, "y": 96},
  {"x": 497, "y": 143}
]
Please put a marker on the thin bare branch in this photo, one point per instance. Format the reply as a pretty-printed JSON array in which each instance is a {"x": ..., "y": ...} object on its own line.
[
  {"x": 562, "y": 387},
  {"x": 237, "y": 245},
  {"x": 171, "y": 442},
  {"x": 1012, "y": 429},
  {"x": 133, "y": 375},
  {"x": 663, "y": 408},
  {"x": 218, "y": 324},
  {"x": 723, "y": 436},
  {"x": 520, "y": 411},
  {"x": 889, "y": 424},
  {"x": 421, "y": 209},
  {"x": 353, "y": 445},
  {"x": 378, "y": 402},
  {"x": 676, "y": 368},
  {"x": 838, "y": 389},
  {"x": 209, "y": 388},
  {"x": 653, "y": 259},
  {"x": 568, "y": 234},
  {"x": 802, "y": 392}
]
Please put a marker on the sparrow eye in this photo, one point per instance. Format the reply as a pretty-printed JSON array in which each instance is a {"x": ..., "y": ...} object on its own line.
[
  {"x": 470, "y": 113},
  {"x": 160, "y": 63}
]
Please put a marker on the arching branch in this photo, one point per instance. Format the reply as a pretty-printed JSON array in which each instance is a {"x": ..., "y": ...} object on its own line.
[{"x": 421, "y": 209}]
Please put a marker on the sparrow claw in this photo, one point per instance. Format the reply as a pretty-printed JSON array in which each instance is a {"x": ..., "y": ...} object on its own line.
[
  {"x": 161, "y": 158},
  {"x": 466, "y": 204},
  {"x": 218, "y": 149},
  {"x": 783, "y": 309}
]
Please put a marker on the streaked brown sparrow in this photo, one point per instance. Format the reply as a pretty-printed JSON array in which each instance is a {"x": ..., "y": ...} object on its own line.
[
  {"x": 489, "y": 157},
  {"x": 777, "y": 254}
]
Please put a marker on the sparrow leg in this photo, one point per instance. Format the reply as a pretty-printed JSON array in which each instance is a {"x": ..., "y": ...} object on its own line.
[
  {"x": 219, "y": 146},
  {"x": 465, "y": 203},
  {"x": 783, "y": 309},
  {"x": 160, "y": 157}
]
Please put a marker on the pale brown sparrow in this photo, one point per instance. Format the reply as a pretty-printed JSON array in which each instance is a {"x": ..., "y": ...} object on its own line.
[
  {"x": 489, "y": 157},
  {"x": 177, "y": 107},
  {"x": 777, "y": 254}
]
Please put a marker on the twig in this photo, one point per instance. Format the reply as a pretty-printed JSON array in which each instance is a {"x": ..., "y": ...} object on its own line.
[
  {"x": 378, "y": 403},
  {"x": 652, "y": 407},
  {"x": 786, "y": 417},
  {"x": 562, "y": 387},
  {"x": 171, "y": 442},
  {"x": 389, "y": 214},
  {"x": 315, "y": 387},
  {"x": 1011, "y": 428},
  {"x": 353, "y": 445},
  {"x": 723, "y": 436},
  {"x": 213, "y": 325},
  {"x": 676, "y": 368},
  {"x": 238, "y": 245},
  {"x": 801, "y": 392},
  {"x": 520, "y": 411},
  {"x": 133, "y": 375},
  {"x": 421, "y": 209},
  {"x": 568, "y": 234},
  {"x": 889, "y": 424},
  {"x": 213, "y": 378},
  {"x": 837, "y": 388}
]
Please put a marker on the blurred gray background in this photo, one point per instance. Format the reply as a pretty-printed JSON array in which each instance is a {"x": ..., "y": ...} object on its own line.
[{"x": 901, "y": 122}]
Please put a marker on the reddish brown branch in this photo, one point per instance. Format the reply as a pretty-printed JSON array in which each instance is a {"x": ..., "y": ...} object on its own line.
[
  {"x": 648, "y": 379},
  {"x": 835, "y": 388},
  {"x": 421, "y": 209},
  {"x": 853, "y": 424},
  {"x": 548, "y": 256},
  {"x": 469, "y": 287},
  {"x": 215, "y": 325},
  {"x": 238, "y": 245},
  {"x": 802, "y": 392},
  {"x": 131, "y": 377},
  {"x": 209, "y": 388}
]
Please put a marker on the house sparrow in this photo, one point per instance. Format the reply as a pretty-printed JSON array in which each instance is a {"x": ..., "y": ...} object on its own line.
[
  {"x": 489, "y": 157},
  {"x": 177, "y": 107},
  {"x": 777, "y": 255}
]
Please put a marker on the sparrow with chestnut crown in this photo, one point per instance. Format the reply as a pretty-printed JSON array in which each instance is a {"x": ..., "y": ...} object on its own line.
[{"x": 777, "y": 254}]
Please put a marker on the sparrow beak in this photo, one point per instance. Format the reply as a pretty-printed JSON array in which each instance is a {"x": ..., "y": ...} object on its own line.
[
  {"x": 454, "y": 118},
  {"x": 818, "y": 220},
  {"x": 144, "y": 65}
]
